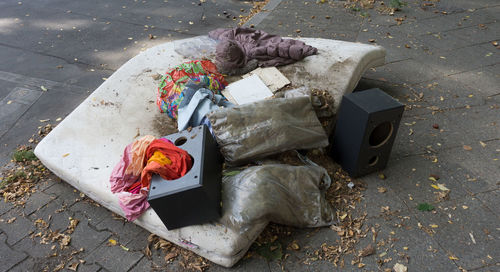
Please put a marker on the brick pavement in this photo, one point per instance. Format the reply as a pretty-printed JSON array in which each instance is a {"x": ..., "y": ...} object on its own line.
[{"x": 440, "y": 62}]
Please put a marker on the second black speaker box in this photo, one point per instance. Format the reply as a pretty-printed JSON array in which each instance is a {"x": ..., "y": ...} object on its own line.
[{"x": 366, "y": 126}]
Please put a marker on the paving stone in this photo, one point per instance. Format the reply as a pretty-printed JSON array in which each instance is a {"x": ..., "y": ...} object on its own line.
[
  {"x": 409, "y": 178},
  {"x": 34, "y": 248},
  {"x": 466, "y": 168},
  {"x": 27, "y": 265},
  {"x": 36, "y": 201},
  {"x": 42, "y": 109},
  {"x": 125, "y": 231},
  {"x": 58, "y": 214},
  {"x": 88, "y": 238},
  {"x": 90, "y": 268},
  {"x": 114, "y": 258},
  {"x": 373, "y": 200},
  {"x": 466, "y": 230},
  {"x": 490, "y": 199},
  {"x": 5, "y": 207},
  {"x": 398, "y": 233},
  {"x": 64, "y": 193},
  {"x": 18, "y": 229},
  {"x": 449, "y": 93},
  {"x": 404, "y": 72},
  {"x": 139, "y": 241},
  {"x": 89, "y": 209},
  {"x": 8, "y": 257},
  {"x": 481, "y": 81}
]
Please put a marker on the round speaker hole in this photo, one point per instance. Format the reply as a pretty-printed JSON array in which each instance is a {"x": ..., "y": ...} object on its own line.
[
  {"x": 381, "y": 134},
  {"x": 373, "y": 160},
  {"x": 180, "y": 141}
]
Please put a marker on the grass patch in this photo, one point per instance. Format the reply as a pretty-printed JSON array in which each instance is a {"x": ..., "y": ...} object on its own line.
[{"x": 24, "y": 155}]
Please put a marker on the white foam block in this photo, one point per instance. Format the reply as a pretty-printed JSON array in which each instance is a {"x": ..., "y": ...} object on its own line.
[
  {"x": 95, "y": 134},
  {"x": 271, "y": 76}
]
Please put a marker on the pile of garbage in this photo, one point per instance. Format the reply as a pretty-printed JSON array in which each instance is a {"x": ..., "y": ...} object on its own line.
[{"x": 253, "y": 120}]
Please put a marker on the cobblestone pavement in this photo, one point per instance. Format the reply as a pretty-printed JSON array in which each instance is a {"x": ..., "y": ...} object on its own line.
[{"x": 442, "y": 62}]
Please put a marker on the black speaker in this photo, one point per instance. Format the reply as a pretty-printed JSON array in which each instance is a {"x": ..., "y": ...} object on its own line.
[
  {"x": 366, "y": 126},
  {"x": 194, "y": 198}
]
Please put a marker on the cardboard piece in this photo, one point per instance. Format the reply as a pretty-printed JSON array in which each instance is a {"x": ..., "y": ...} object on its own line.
[
  {"x": 271, "y": 76},
  {"x": 247, "y": 90}
]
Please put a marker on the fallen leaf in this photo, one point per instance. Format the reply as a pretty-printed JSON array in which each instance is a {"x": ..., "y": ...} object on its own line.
[
  {"x": 9, "y": 102},
  {"x": 425, "y": 207},
  {"x": 442, "y": 187},
  {"x": 58, "y": 119},
  {"x": 436, "y": 177},
  {"x": 124, "y": 248},
  {"x": 371, "y": 40},
  {"x": 452, "y": 257},
  {"x": 482, "y": 144},
  {"x": 73, "y": 266},
  {"x": 433, "y": 226},
  {"x": 381, "y": 176},
  {"x": 436, "y": 126},
  {"x": 382, "y": 189},
  {"x": 472, "y": 237},
  {"x": 435, "y": 186},
  {"x": 294, "y": 245},
  {"x": 432, "y": 179},
  {"x": 400, "y": 268},
  {"x": 367, "y": 251},
  {"x": 112, "y": 242},
  {"x": 465, "y": 207},
  {"x": 170, "y": 256},
  {"x": 43, "y": 88},
  {"x": 65, "y": 155},
  {"x": 11, "y": 220},
  {"x": 467, "y": 147},
  {"x": 342, "y": 217}
]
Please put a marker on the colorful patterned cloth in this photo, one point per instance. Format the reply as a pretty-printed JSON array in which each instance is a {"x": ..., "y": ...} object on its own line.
[
  {"x": 172, "y": 83},
  {"x": 131, "y": 177}
]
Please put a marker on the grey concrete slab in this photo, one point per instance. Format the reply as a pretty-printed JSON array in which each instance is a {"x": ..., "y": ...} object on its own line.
[
  {"x": 400, "y": 240},
  {"x": 44, "y": 109},
  {"x": 27, "y": 265},
  {"x": 5, "y": 207},
  {"x": 36, "y": 67},
  {"x": 9, "y": 257},
  {"x": 297, "y": 19},
  {"x": 254, "y": 263},
  {"x": 481, "y": 81},
  {"x": 449, "y": 92},
  {"x": 18, "y": 229},
  {"x": 14, "y": 105},
  {"x": 490, "y": 199},
  {"x": 399, "y": 45},
  {"x": 409, "y": 178},
  {"x": 467, "y": 167},
  {"x": 406, "y": 71},
  {"x": 466, "y": 231}
]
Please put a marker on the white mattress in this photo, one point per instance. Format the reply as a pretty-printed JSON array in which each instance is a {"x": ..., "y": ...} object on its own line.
[{"x": 86, "y": 145}]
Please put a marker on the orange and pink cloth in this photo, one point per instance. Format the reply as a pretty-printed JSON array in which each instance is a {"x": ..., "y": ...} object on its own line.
[{"x": 131, "y": 177}]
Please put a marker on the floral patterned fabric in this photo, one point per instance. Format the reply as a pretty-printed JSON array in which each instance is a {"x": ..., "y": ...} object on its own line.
[{"x": 172, "y": 83}]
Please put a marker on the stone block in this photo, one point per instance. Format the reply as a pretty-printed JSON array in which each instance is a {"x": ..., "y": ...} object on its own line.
[
  {"x": 18, "y": 229},
  {"x": 114, "y": 258},
  {"x": 8, "y": 257}
]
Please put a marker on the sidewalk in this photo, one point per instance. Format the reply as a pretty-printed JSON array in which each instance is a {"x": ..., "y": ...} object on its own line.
[{"x": 441, "y": 62}]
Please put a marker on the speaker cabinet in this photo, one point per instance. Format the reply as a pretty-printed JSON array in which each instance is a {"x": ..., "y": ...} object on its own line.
[
  {"x": 194, "y": 198},
  {"x": 366, "y": 126}
]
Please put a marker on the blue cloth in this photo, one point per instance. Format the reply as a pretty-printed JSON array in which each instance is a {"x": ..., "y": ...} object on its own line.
[{"x": 198, "y": 101}]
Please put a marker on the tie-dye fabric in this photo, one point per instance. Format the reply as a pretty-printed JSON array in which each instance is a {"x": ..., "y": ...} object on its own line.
[{"x": 172, "y": 83}]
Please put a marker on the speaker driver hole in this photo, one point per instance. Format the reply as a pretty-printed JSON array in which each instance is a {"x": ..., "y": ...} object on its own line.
[
  {"x": 381, "y": 134},
  {"x": 373, "y": 160},
  {"x": 180, "y": 141}
]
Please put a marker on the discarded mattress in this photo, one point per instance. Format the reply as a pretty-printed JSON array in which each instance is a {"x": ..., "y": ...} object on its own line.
[{"x": 85, "y": 146}]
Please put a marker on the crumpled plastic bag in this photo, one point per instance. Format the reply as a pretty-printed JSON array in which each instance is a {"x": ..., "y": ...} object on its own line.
[
  {"x": 256, "y": 130},
  {"x": 279, "y": 193}
]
